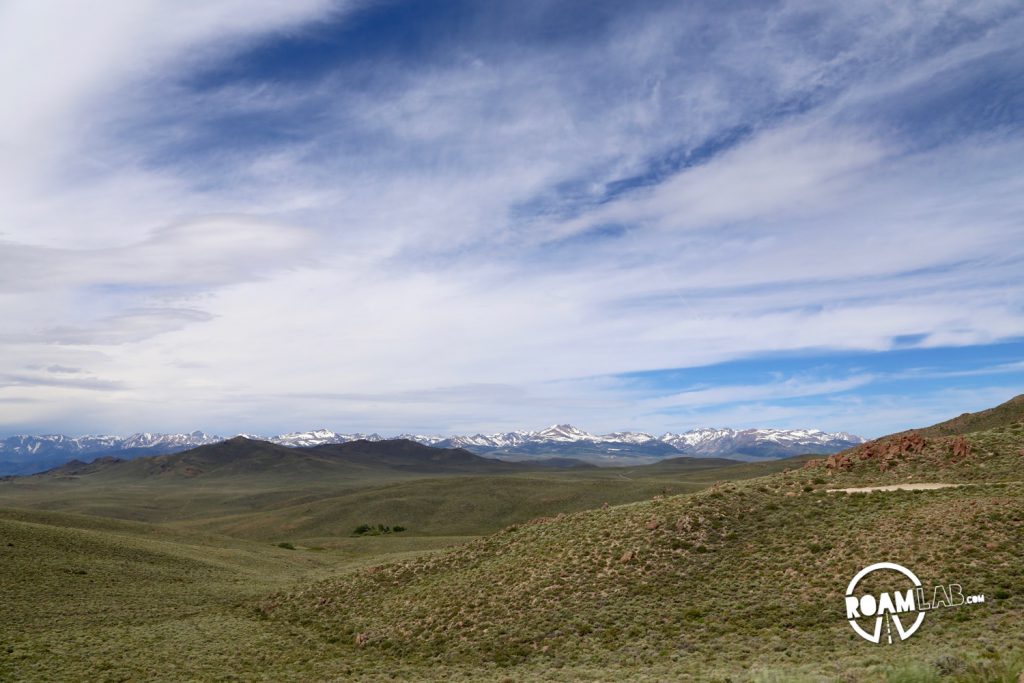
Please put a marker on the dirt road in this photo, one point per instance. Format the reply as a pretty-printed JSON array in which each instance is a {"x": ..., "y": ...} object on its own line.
[{"x": 895, "y": 487}]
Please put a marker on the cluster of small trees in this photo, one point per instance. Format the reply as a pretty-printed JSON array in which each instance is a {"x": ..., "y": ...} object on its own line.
[{"x": 370, "y": 530}]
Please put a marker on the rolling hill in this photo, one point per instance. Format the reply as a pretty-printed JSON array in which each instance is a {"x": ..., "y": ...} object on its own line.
[
  {"x": 258, "y": 490},
  {"x": 95, "y": 599},
  {"x": 404, "y": 455},
  {"x": 726, "y": 583},
  {"x": 742, "y": 579},
  {"x": 1003, "y": 415},
  {"x": 243, "y": 456}
]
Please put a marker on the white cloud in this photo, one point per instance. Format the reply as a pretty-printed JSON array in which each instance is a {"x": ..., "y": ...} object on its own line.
[
  {"x": 212, "y": 251},
  {"x": 790, "y": 388},
  {"x": 781, "y": 171}
]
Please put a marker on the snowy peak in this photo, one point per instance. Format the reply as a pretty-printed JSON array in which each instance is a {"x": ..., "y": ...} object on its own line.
[
  {"x": 562, "y": 432},
  {"x": 317, "y": 437},
  {"x": 555, "y": 434},
  {"x": 709, "y": 441},
  {"x": 166, "y": 441},
  {"x": 88, "y": 444},
  {"x": 760, "y": 442},
  {"x": 630, "y": 437},
  {"x": 499, "y": 440}
]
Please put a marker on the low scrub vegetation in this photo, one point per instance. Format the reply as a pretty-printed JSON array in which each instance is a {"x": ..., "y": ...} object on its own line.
[
  {"x": 371, "y": 530},
  {"x": 738, "y": 581}
]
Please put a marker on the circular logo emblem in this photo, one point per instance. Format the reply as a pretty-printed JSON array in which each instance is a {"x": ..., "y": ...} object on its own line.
[{"x": 895, "y": 607}]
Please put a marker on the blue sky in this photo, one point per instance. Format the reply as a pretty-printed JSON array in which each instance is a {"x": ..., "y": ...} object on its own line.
[{"x": 461, "y": 216}]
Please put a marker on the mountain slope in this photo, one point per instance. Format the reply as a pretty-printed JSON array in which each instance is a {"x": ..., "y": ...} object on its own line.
[
  {"x": 1002, "y": 415},
  {"x": 983, "y": 446},
  {"x": 244, "y": 457},
  {"x": 409, "y": 456},
  {"x": 986, "y": 456},
  {"x": 235, "y": 457}
]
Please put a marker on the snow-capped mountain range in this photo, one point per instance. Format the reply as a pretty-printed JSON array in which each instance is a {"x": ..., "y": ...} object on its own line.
[
  {"x": 705, "y": 442},
  {"x": 26, "y": 454}
]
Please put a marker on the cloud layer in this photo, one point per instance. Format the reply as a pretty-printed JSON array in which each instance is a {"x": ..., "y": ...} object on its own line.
[{"x": 265, "y": 217}]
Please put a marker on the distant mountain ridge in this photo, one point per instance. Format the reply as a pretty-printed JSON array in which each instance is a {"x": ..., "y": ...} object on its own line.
[
  {"x": 702, "y": 442},
  {"x": 248, "y": 458},
  {"x": 26, "y": 454}
]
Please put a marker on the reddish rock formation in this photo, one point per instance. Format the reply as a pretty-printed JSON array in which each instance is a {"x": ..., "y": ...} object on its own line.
[
  {"x": 961, "y": 448},
  {"x": 838, "y": 462}
]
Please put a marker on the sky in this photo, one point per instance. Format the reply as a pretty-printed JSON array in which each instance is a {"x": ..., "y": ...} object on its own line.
[{"x": 451, "y": 217}]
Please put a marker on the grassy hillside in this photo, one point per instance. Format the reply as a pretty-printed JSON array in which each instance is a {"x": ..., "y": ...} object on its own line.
[
  {"x": 738, "y": 469},
  {"x": 468, "y": 505},
  {"x": 89, "y": 599},
  {"x": 993, "y": 455},
  {"x": 1002, "y": 415},
  {"x": 742, "y": 578}
]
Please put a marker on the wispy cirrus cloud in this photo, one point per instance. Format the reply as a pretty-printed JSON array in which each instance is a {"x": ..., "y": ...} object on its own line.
[
  {"x": 730, "y": 394},
  {"x": 86, "y": 383}
]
